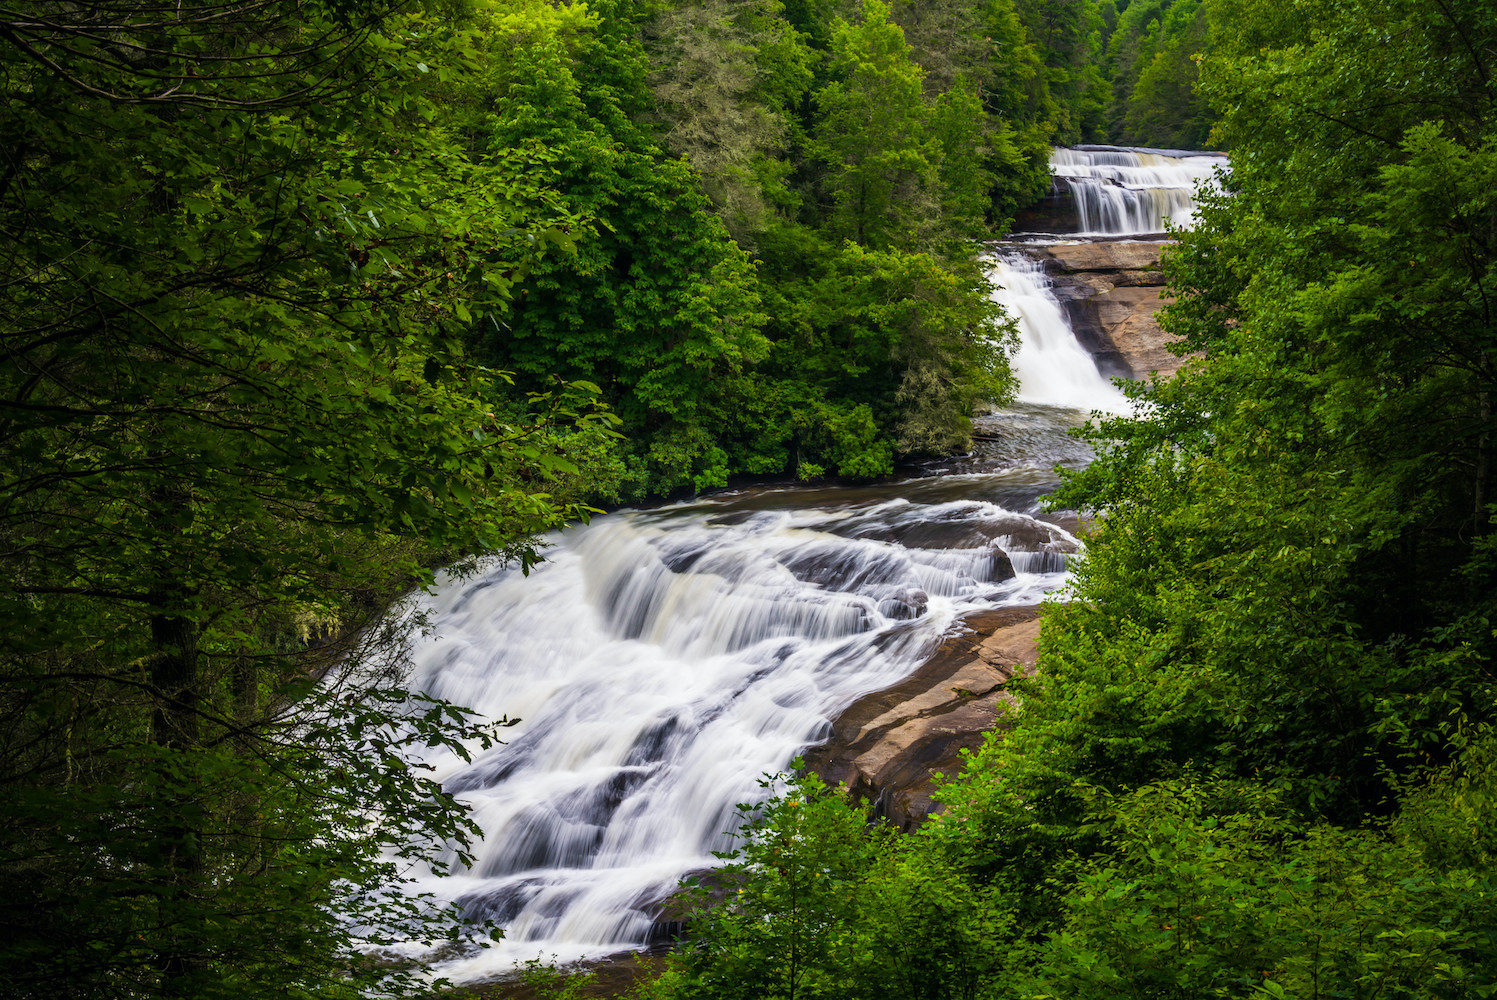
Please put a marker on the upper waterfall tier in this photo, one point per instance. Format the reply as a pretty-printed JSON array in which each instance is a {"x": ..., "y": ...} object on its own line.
[{"x": 1122, "y": 191}]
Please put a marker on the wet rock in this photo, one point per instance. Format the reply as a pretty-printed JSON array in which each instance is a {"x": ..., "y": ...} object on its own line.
[
  {"x": 1128, "y": 262},
  {"x": 887, "y": 745},
  {"x": 1032, "y": 535},
  {"x": 1055, "y": 213},
  {"x": 1016, "y": 531},
  {"x": 905, "y": 605},
  {"x": 1111, "y": 292}
]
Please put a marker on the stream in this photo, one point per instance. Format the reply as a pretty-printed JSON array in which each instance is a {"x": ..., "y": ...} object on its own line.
[{"x": 664, "y": 660}]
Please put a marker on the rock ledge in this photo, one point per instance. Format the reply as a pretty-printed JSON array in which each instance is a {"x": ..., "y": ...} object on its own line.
[
  {"x": 886, "y": 745},
  {"x": 1110, "y": 291}
]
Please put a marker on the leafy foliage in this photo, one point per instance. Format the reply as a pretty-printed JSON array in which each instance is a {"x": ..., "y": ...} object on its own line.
[
  {"x": 817, "y": 903},
  {"x": 801, "y": 141},
  {"x": 1152, "y": 54},
  {"x": 1279, "y": 650},
  {"x": 238, "y": 422},
  {"x": 1257, "y": 758}
]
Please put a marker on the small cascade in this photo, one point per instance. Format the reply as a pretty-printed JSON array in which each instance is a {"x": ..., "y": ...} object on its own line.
[
  {"x": 1053, "y": 369},
  {"x": 1120, "y": 191},
  {"x": 662, "y": 662}
]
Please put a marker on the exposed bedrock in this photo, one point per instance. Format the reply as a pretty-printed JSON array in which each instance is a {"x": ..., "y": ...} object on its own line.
[
  {"x": 1111, "y": 291},
  {"x": 886, "y": 745}
]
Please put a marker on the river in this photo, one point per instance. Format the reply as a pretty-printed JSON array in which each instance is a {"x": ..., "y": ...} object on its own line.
[{"x": 664, "y": 660}]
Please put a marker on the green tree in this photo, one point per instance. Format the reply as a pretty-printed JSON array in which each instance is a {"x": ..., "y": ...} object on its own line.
[
  {"x": 1208, "y": 890},
  {"x": 817, "y": 902},
  {"x": 657, "y": 306},
  {"x": 874, "y": 351},
  {"x": 1151, "y": 58},
  {"x": 241, "y": 247},
  {"x": 882, "y": 177},
  {"x": 726, "y": 80},
  {"x": 1016, "y": 98},
  {"x": 1277, "y": 669},
  {"x": 1165, "y": 107},
  {"x": 1068, "y": 34}
]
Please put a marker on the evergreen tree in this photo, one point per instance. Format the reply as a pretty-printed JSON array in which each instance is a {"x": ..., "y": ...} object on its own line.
[{"x": 870, "y": 132}]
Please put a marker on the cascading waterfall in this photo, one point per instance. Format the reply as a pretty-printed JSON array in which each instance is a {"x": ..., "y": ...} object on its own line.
[
  {"x": 1053, "y": 369},
  {"x": 1121, "y": 191},
  {"x": 1117, "y": 192},
  {"x": 662, "y": 663}
]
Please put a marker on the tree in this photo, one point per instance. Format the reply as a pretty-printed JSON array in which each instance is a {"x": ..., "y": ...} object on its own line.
[
  {"x": 1068, "y": 36},
  {"x": 817, "y": 901},
  {"x": 726, "y": 79},
  {"x": 1151, "y": 56},
  {"x": 236, "y": 422},
  {"x": 882, "y": 180},
  {"x": 658, "y": 306}
]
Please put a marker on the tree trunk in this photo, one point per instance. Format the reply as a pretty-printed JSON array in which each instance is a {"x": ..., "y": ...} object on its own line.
[{"x": 176, "y": 728}]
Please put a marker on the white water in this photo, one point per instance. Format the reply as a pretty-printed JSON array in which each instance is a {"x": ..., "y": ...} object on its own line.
[
  {"x": 1053, "y": 369},
  {"x": 663, "y": 662},
  {"x": 1132, "y": 192}
]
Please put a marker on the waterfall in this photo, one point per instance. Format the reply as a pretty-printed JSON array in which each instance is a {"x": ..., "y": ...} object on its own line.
[
  {"x": 1120, "y": 191},
  {"x": 662, "y": 662},
  {"x": 1053, "y": 369},
  {"x": 1115, "y": 191}
]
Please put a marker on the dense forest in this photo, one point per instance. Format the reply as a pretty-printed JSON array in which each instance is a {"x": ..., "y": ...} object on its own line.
[
  {"x": 302, "y": 300},
  {"x": 1257, "y": 758}
]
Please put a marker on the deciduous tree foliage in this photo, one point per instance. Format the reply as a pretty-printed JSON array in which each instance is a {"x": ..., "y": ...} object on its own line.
[
  {"x": 1151, "y": 57},
  {"x": 239, "y": 246},
  {"x": 1258, "y": 757},
  {"x": 657, "y": 305},
  {"x": 818, "y": 903},
  {"x": 1068, "y": 35},
  {"x": 818, "y": 137},
  {"x": 1278, "y": 663}
]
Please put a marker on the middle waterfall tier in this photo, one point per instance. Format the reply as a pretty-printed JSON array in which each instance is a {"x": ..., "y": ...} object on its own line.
[{"x": 1052, "y": 367}]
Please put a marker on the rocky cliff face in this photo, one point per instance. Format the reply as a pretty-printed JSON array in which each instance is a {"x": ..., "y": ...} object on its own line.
[{"x": 1110, "y": 291}]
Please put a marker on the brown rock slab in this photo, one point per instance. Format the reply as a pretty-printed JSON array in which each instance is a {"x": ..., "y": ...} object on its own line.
[
  {"x": 1128, "y": 314},
  {"x": 1140, "y": 260},
  {"x": 1111, "y": 292},
  {"x": 887, "y": 745}
]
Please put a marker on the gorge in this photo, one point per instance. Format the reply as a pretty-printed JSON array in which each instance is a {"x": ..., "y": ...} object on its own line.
[{"x": 663, "y": 661}]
